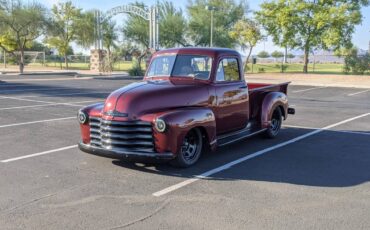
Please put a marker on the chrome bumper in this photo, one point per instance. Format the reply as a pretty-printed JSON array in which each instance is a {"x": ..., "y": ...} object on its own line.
[{"x": 125, "y": 154}]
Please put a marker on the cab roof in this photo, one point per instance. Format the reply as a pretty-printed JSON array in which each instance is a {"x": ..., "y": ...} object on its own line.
[{"x": 199, "y": 51}]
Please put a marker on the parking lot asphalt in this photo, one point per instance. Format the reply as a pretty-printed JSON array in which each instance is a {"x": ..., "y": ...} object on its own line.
[{"x": 314, "y": 175}]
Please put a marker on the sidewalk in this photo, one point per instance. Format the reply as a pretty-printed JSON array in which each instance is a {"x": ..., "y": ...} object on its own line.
[{"x": 323, "y": 80}]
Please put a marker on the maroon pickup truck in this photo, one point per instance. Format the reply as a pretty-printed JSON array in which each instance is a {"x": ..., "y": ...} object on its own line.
[{"x": 190, "y": 99}]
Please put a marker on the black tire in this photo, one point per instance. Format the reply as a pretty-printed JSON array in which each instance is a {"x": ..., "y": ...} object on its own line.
[
  {"x": 190, "y": 151},
  {"x": 276, "y": 121}
]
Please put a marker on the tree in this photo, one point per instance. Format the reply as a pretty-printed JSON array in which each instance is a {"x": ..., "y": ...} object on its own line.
[
  {"x": 277, "y": 54},
  {"x": 290, "y": 56},
  {"x": 247, "y": 33},
  {"x": 263, "y": 54},
  {"x": 172, "y": 25},
  {"x": 311, "y": 24},
  {"x": 110, "y": 37},
  {"x": 63, "y": 28},
  {"x": 85, "y": 35},
  {"x": 20, "y": 25},
  {"x": 136, "y": 30},
  {"x": 227, "y": 13}
]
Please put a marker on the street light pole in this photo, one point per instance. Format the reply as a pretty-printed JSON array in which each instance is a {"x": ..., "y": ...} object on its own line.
[
  {"x": 212, "y": 9},
  {"x": 211, "y": 43}
]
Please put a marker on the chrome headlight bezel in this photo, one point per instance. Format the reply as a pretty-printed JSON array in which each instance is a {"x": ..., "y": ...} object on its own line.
[
  {"x": 160, "y": 125},
  {"x": 82, "y": 117}
]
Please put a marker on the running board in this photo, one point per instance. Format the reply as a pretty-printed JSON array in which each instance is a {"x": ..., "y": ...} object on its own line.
[{"x": 238, "y": 135}]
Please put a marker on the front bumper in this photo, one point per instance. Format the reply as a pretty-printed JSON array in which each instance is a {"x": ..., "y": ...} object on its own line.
[{"x": 135, "y": 156}]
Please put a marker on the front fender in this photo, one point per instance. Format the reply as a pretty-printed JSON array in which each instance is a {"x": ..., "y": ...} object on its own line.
[
  {"x": 270, "y": 103},
  {"x": 93, "y": 110},
  {"x": 179, "y": 122}
]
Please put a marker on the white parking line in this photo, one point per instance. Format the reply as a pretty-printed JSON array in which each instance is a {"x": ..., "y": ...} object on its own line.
[
  {"x": 304, "y": 90},
  {"x": 23, "y": 99},
  {"x": 335, "y": 131},
  {"x": 35, "y": 122},
  {"x": 299, "y": 127},
  {"x": 53, "y": 104},
  {"x": 37, "y": 89},
  {"x": 62, "y": 94},
  {"x": 37, "y": 154},
  {"x": 353, "y": 94},
  {"x": 250, "y": 156}
]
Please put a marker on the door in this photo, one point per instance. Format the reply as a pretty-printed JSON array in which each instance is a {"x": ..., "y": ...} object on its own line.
[{"x": 232, "y": 108}]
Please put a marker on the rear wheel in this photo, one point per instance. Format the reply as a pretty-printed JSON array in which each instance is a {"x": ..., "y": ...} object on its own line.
[
  {"x": 190, "y": 150},
  {"x": 275, "y": 126}
]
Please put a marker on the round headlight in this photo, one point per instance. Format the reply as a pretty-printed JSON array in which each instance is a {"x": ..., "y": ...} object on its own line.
[
  {"x": 82, "y": 117},
  {"x": 160, "y": 125}
]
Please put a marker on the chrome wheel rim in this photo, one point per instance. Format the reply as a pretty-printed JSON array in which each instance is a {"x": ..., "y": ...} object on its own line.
[
  {"x": 275, "y": 123},
  {"x": 190, "y": 146}
]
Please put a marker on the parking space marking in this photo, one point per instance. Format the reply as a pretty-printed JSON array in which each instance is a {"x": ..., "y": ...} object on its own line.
[
  {"x": 23, "y": 99},
  {"x": 35, "y": 122},
  {"x": 62, "y": 94},
  {"x": 52, "y": 104},
  {"x": 335, "y": 131},
  {"x": 353, "y": 94},
  {"x": 38, "y": 89},
  {"x": 38, "y": 154},
  {"x": 304, "y": 90},
  {"x": 211, "y": 172},
  {"x": 299, "y": 127}
]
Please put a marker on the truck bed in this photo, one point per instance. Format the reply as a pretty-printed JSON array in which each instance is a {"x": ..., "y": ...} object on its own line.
[{"x": 258, "y": 91}]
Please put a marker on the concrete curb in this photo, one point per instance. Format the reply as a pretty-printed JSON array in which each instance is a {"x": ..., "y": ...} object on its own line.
[{"x": 48, "y": 73}]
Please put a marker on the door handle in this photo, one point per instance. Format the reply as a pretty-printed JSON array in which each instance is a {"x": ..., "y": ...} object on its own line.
[{"x": 243, "y": 87}]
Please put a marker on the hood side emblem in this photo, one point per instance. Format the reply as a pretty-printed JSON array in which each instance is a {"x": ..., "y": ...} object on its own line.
[{"x": 115, "y": 113}]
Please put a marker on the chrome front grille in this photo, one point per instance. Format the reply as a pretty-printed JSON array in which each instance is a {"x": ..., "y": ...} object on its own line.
[{"x": 121, "y": 135}]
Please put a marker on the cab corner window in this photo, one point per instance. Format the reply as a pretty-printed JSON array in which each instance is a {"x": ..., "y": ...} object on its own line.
[{"x": 228, "y": 70}]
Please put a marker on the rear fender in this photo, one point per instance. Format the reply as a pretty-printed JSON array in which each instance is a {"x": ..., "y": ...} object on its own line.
[
  {"x": 271, "y": 101},
  {"x": 179, "y": 123}
]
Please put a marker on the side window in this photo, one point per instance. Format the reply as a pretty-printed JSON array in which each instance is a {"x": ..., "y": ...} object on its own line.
[
  {"x": 228, "y": 70},
  {"x": 220, "y": 72}
]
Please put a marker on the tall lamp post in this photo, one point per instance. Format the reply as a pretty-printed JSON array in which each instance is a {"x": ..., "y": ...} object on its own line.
[{"x": 212, "y": 9}]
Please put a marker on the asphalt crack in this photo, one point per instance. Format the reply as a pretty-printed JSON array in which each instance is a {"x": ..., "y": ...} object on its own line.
[{"x": 160, "y": 208}]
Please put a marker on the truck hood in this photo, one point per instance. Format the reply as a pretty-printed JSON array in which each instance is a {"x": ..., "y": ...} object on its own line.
[{"x": 137, "y": 99}]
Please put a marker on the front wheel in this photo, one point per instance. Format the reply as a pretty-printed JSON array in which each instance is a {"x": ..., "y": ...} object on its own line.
[
  {"x": 275, "y": 126},
  {"x": 190, "y": 151}
]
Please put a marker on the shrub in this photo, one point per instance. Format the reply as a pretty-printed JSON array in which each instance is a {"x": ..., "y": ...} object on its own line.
[
  {"x": 136, "y": 69},
  {"x": 284, "y": 68},
  {"x": 261, "y": 70},
  {"x": 356, "y": 64}
]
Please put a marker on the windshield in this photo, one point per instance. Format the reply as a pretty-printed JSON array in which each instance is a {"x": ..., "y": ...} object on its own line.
[{"x": 196, "y": 66}]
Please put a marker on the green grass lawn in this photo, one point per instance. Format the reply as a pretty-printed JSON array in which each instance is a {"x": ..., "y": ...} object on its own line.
[
  {"x": 297, "y": 68},
  {"x": 119, "y": 66}
]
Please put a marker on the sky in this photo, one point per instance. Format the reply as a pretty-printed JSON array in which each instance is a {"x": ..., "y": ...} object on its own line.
[{"x": 361, "y": 37}]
